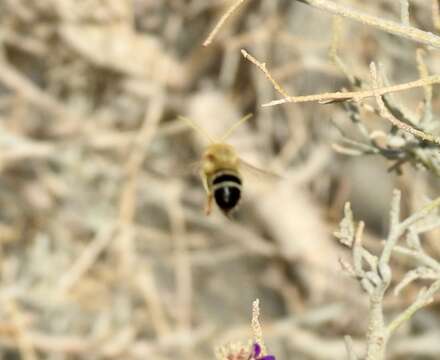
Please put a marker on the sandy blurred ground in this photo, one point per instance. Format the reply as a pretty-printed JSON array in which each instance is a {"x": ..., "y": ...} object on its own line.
[{"x": 105, "y": 252}]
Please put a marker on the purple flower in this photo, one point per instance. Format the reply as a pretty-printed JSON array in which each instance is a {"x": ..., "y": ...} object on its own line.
[{"x": 256, "y": 351}]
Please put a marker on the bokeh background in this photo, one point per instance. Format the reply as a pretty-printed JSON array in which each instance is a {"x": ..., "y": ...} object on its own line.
[{"x": 105, "y": 251}]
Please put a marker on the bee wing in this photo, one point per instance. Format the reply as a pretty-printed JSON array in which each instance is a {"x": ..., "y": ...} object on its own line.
[
  {"x": 192, "y": 169},
  {"x": 260, "y": 174},
  {"x": 195, "y": 167}
]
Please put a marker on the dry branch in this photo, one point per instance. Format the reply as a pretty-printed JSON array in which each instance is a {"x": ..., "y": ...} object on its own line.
[
  {"x": 357, "y": 95},
  {"x": 392, "y": 27},
  {"x": 378, "y": 91},
  {"x": 329, "y": 97},
  {"x": 386, "y": 114},
  {"x": 376, "y": 277},
  {"x": 262, "y": 67}
]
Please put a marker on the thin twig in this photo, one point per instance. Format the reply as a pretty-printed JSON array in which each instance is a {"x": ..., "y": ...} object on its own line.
[
  {"x": 86, "y": 259},
  {"x": 334, "y": 48},
  {"x": 351, "y": 354},
  {"x": 423, "y": 212},
  {"x": 404, "y": 12},
  {"x": 386, "y": 114},
  {"x": 377, "y": 92},
  {"x": 183, "y": 268},
  {"x": 419, "y": 256},
  {"x": 423, "y": 72},
  {"x": 394, "y": 233},
  {"x": 392, "y": 27},
  {"x": 436, "y": 14},
  {"x": 262, "y": 67},
  {"x": 127, "y": 205},
  {"x": 424, "y": 273},
  {"x": 356, "y": 95},
  {"x": 357, "y": 249},
  {"x": 424, "y": 298},
  {"x": 338, "y": 95},
  {"x": 256, "y": 326},
  {"x": 221, "y": 22}
]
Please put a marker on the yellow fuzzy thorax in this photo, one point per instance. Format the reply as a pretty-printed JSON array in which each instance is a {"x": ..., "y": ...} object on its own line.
[{"x": 219, "y": 156}]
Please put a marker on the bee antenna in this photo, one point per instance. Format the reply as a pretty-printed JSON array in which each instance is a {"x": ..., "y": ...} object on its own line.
[
  {"x": 197, "y": 128},
  {"x": 236, "y": 125}
]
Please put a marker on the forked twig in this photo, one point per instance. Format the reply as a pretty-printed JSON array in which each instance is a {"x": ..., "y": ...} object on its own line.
[
  {"x": 262, "y": 67},
  {"x": 378, "y": 91},
  {"x": 329, "y": 97},
  {"x": 386, "y": 114},
  {"x": 375, "y": 273}
]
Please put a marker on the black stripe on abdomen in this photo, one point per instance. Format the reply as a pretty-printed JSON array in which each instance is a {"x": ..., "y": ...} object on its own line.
[{"x": 226, "y": 177}]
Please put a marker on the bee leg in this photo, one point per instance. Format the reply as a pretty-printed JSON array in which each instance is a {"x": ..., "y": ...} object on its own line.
[
  {"x": 205, "y": 182},
  {"x": 208, "y": 206}
]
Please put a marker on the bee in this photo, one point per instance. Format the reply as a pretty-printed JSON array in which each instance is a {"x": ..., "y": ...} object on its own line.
[{"x": 220, "y": 170}]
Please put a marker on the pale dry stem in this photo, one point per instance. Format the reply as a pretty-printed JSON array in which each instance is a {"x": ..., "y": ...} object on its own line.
[
  {"x": 127, "y": 206},
  {"x": 436, "y": 14},
  {"x": 335, "y": 44},
  {"x": 222, "y": 21},
  {"x": 392, "y": 27},
  {"x": 399, "y": 29},
  {"x": 256, "y": 326},
  {"x": 147, "y": 285},
  {"x": 85, "y": 260},
  {"x": 339, "y": 95},
  {"x": 424, "y": 298},
  {"x": 404, "y": 12},
  {"x": 356, "y": 95},
  {"x": 386, "y": 114},
  {"x": 262, "y": 67},
  {"x": 424, "y": 73},
  {"x": 182, "y": 269}
]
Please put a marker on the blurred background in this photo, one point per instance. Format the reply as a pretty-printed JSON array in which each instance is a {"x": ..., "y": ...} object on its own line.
[{"x": 105, "y": 250}]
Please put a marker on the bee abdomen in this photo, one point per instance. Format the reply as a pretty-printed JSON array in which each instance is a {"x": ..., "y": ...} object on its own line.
[
  {"x": 227, "y": 197},
  {"x": 227, "y": 190}
]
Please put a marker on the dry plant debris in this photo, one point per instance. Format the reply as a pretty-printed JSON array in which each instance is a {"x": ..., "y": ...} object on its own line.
[{"x": 105, "y": 252}]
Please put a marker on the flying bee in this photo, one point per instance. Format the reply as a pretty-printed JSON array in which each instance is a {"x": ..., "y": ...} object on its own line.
[{"x": 220, "y": 170}]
